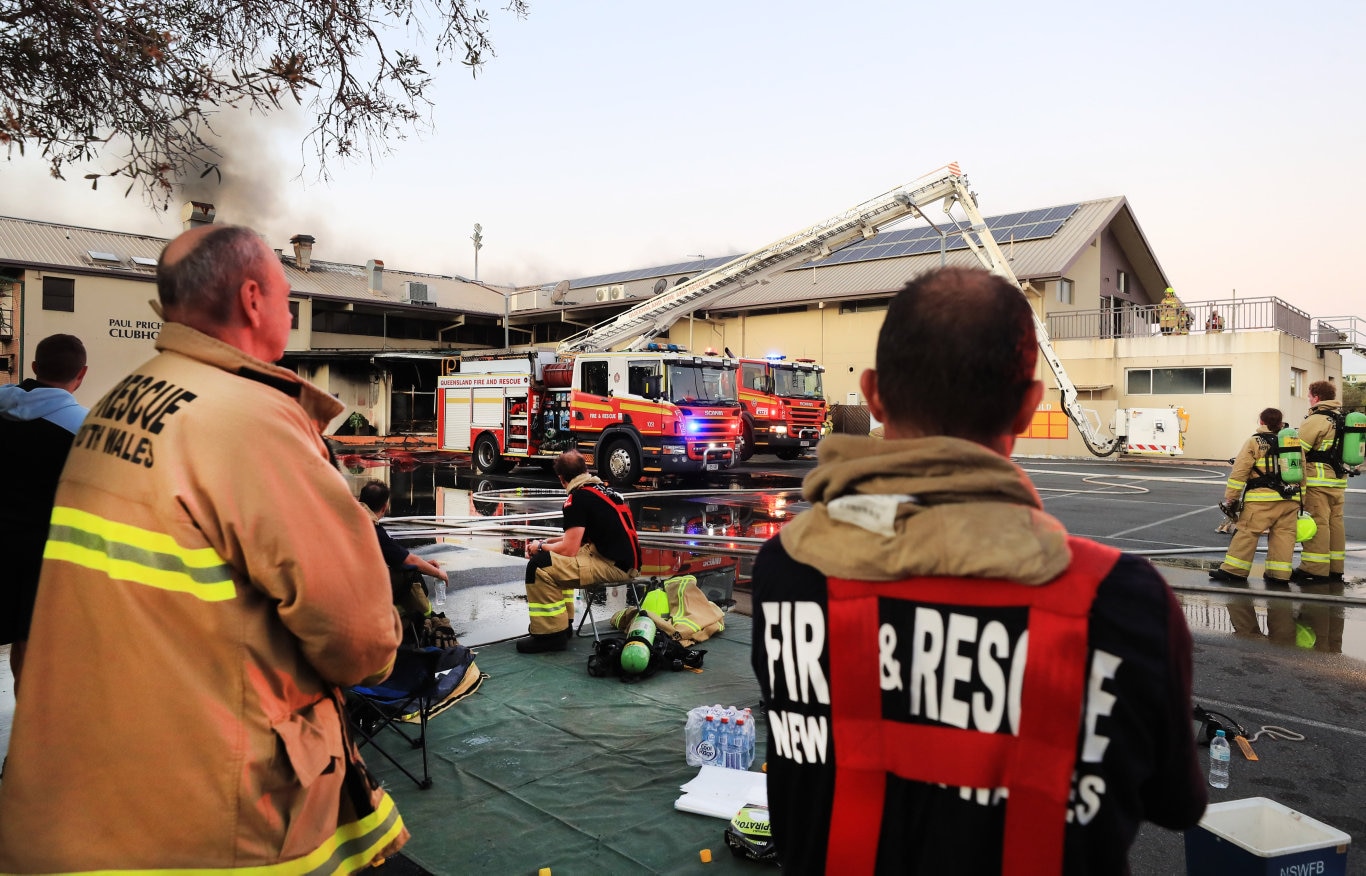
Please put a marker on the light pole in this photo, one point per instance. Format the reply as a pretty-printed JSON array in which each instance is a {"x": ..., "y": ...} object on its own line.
[{"x": 478, "y": 238}]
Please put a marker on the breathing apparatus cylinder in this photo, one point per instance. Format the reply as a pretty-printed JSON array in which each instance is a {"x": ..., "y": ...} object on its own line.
[
  {"x": 640, "y": 637},
  {"x": 1289, "y": 455},
  {"x": 1352, "y": 451}
]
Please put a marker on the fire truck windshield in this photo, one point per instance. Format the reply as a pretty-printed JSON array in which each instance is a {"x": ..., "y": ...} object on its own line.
[
  {"x": 707, "y": 384},
  {"x": 797, "y": 383}
]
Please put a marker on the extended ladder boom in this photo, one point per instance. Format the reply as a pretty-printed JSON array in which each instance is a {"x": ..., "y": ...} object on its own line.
[
  {"x": 989, "y": 254},
  {"x": 633, "y": 328}
]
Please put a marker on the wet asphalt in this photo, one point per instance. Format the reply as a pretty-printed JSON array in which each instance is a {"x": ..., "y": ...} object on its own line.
[{"x": 1293, "y": 660}]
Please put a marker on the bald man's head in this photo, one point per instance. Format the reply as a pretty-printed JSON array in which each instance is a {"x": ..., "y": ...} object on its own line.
[{"x": 201, "y": 271}]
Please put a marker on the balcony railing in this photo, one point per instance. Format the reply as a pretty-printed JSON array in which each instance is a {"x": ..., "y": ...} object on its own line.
[
  {"x": 1201, "y": 317},
  {"x": 1340, "y": 332}
]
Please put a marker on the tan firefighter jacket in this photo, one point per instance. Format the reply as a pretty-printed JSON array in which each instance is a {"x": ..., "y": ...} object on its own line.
[{"x": 208, "y": 580}]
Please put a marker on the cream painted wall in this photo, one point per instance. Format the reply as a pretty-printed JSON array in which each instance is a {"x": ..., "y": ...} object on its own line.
[
  {"x": 1261, "y": 363},
  {"x": 844, "y": 343},
  {"x": 112, "y": 318}
]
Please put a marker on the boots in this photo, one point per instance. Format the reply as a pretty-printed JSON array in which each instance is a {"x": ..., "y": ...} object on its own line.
[{"x": 539, "y": 644}]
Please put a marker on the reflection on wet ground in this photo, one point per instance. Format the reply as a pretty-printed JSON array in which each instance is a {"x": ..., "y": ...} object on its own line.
[{"x": 477, "y": 528}]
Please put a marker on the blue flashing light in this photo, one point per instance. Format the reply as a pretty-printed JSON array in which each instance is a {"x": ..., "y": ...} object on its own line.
[
  {"x": 652, "y": 347},
  {"x": 774, "y": 357},
  {"x": 674, "y": 348}
]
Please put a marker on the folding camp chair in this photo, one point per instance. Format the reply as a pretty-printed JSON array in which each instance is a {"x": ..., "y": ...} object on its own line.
[
  {"x": 422, "y": 681},
  {"x": 596, "y": 594}
]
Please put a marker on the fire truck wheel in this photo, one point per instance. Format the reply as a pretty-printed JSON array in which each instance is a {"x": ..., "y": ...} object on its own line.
[
  {"x": 621, "y": 463},
  {"x": 744, "y": 447},
  {"x": 487, "y": 459}
]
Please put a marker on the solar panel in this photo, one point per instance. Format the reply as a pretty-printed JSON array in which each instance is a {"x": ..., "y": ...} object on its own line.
[
  {"x": 143, "y": 261},
  {"x": 98, "y": 256}
]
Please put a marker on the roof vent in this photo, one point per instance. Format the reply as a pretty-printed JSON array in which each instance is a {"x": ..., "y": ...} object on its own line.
[
  {"x": 195, "y": 214},
  {"x": 303, "y": 250},
  {"x": 416, "y": 292},
  {"x": 374, "y": 274}
]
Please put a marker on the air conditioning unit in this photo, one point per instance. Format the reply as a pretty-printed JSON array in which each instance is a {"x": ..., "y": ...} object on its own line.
[
  {"x": 618, "y": 292},
  {"x": 7, "y": 364},
  {"x": 604, "y": 293},
  {"x": 415, "y": 291}
]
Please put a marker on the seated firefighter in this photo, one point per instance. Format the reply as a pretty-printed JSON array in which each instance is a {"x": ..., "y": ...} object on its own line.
[
  {"x": 405, "y": 573},
  {"x": 599, "y": 546}
]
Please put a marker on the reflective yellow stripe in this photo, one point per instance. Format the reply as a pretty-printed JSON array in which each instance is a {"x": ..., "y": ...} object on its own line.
[
  {"x": 352, "y": 847},
  {"x": 140, "y": 556},
  {"x": 546, "y": 609},
  {"x": 1307, "y": 557},
  {"x": 1275, "y": 566},
  {"x": 1234, "y": 485},
  {"x": 1236, "y": 563}
]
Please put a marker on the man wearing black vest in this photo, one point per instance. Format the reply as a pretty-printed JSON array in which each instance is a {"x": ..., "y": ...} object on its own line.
[
  {"x": 599, "y": 546},
  {"x": 908, "y": 733}
]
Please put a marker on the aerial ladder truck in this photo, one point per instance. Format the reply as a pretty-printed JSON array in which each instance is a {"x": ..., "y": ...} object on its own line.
[
  {"x": 636, "y": 407},
  {"x": 1137, "y": 430}
]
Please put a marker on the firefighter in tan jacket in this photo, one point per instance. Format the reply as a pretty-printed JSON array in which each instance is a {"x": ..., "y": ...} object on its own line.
[
  {"x": 1267, "y": 507},
  {"x": 208, "y": 582}
]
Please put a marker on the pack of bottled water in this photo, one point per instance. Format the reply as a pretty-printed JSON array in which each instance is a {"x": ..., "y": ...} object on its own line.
[{"x": 720, "y": 736}]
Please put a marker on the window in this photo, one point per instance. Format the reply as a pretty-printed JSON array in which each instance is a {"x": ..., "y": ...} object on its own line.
[
  {"x": 1065, "y": 295},
  {"x": 638, "y": 374},
  {"x": 293, "y": 314},
  {"x": 752, "y": 375},
  {"x": 1122, "y": 282},
  {"x": 1297, "y": 382},
  {"x": 59, "y": 293},
  {"x": 594, "y": 377},
  {"x": 1178, "y": 381}
]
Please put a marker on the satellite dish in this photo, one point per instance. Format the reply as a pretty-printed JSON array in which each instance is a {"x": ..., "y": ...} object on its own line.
[
  {"x": 559, "y": 292},
  {"x": 660, "y": 285}
]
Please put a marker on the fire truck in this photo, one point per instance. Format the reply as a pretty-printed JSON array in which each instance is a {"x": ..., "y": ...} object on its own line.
[
  {"x": 656, "y": 411},
  {"x": 635, "y": 407},
  {"x": 784, "y": 406}
]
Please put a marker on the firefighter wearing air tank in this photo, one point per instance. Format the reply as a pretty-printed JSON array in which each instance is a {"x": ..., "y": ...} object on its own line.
[
  {"x": 1333, "y": 448},
  {"x": 599, "y": 546},
  {"x": 1265, "y": 480}
]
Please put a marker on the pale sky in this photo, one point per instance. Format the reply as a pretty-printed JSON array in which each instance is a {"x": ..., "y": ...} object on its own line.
[{"x": 612, "y": 135}]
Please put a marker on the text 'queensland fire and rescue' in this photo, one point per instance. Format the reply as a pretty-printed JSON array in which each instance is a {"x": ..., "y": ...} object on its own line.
[
  {"x": 124, "y": 422},
  {"x": 961, "y": 667}
]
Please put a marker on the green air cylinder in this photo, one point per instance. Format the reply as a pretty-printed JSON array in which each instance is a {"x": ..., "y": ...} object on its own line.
[
  {"x": 1352, "y": 451},
  {"x": 1290, "y": 455},
  {"x": 640, "y": 637}
]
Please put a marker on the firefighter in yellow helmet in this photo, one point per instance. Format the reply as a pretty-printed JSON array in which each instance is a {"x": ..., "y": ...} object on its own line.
[{"x": 1167, "y": 310}]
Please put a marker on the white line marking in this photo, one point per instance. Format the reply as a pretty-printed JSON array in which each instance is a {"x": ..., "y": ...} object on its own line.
[
  {"x": 1281, "y": 716},
  {"x": 1158, "y": 523}
]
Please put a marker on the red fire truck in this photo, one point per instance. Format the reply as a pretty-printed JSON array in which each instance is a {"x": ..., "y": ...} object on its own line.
[
  {"x": 784, "y": 406},
  {"x": 657, "y": 411}
]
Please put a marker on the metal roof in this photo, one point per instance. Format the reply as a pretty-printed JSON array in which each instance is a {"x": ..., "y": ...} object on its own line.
[
  {"x": 1037, "y": 259},
  {"x": 30, "y": 243},
  {"x": 45, "y": 245}
]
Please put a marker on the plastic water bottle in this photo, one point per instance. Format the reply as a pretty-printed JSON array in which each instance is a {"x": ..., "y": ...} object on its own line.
[
  {"x": 1219, "y": 757},
  {"x": 692, "y": 735},
  {"x": 749, "y": 739},
  {"x": 742, "y": 731},
  {"x": 727, "y": 736},
  {"x": 440, "y": 592},
  {"x": 708, "y": 750}
]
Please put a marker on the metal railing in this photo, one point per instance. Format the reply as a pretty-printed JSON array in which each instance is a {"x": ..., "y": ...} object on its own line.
[
  {"x": 1345, "y": 332},
  {"x": 1201, "y": 317}
]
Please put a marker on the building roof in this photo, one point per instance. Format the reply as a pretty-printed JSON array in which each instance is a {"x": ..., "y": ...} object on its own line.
[
  {"x": 858, "y": 270},
  {"x": 49, "y": 246},
  {"x": 853, "y": 275}
]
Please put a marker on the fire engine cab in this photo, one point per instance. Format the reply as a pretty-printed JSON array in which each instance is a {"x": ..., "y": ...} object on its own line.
[
  {"x": 784, "y": 406},
  {"x": 657, "y": 411}
]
